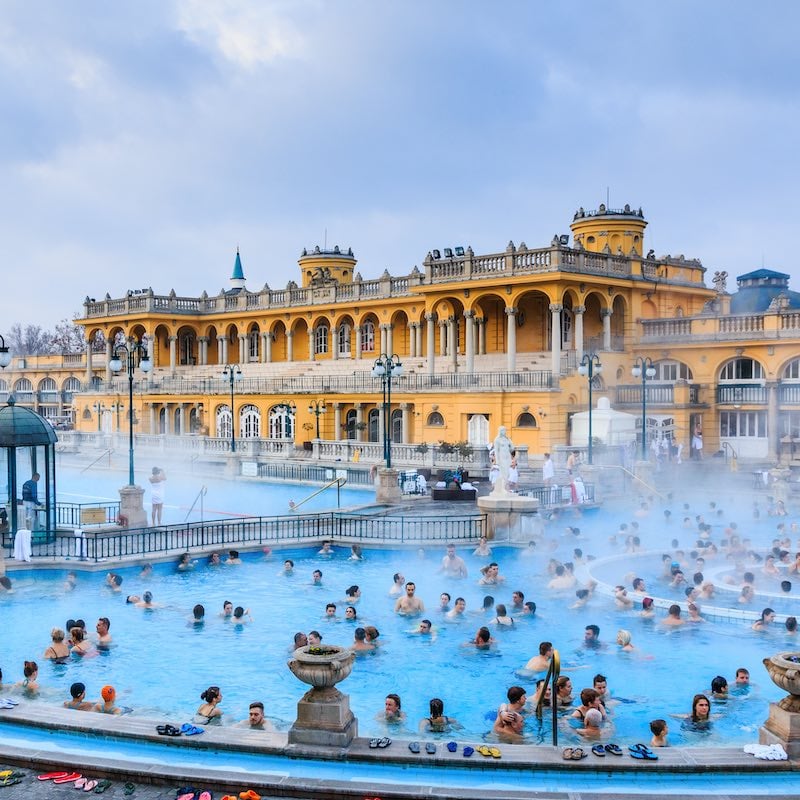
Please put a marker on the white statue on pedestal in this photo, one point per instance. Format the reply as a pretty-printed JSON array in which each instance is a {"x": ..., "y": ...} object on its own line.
[{"x": 503, "y": 447}]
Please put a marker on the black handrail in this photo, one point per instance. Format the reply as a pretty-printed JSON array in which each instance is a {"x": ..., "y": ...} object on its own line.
[{"x": 553, "y": 671}]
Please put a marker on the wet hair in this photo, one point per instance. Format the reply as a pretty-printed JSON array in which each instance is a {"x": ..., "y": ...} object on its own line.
[
  {"x": 637, "y": 582},
  {"x": 599, "y": 678},
  {"x": 70, "y": 624},
  {"x": 5, "y": 581},
  {"x": 372, "y": 632},
  {"x": 447, "y": 595},
  {"x": 531, "y": 605},
  {"x": 210, "y": 694},
  {"x": 562, "y": 681},
  {"x": 624, "y": 637},
  {"x": 315, "y": 633},
  {"x": 57, "y": 635},
  {"x": 331, "y": 605},
  {"x": 199, "y": 611},
  {"x": 238, "y": 612},
  {"x": 116, "y": 579},
  {"x": 766, "y": 612},
  {"x": 483, "y": 635},
  {"x": 147, "y": 597},
  {"x": 77, "y": 689},
  {"x": 30, "y": 668},
  {"x": 360, "y": 635},
  {"x": 396, "y": 698},
  {"x": 488, "y": 601},
  {"x": 106, "y": 621},
  {"x": 257, "y": 704},
  {"x": 786, "y": 586},
  {"x": 299, "y": 636},
  {"x": 674, "y": 610},
  {"x": 595, "y": 629},
  {"x": 351, "y": 591},
  {"x": 233, "y": 554},
  {"x": 289, "y": 562},
  {"x": 501, "y": 610},
  {"x": 396, "y": 577},
  {"x": 791, "y": 624},
  {"x": 592, "y": 718},
  {"x": 719, "y": 685},
  {"x": 77, "y": 634},
  {"x": 514, "y": 694},
  {"x": 695, "y": 700},
  {"x": 545, "y": 647},
  {"x": 658, "y": 726},
  {"x": 353, "y": 609},
  {"x": 582, "y": 594},
  {"x": 437, "y": 707},
  {"x": 588, "y": 696}
]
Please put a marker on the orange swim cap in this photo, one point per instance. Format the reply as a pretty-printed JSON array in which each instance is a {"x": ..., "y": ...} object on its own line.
[{"x": 107, "y": 693}]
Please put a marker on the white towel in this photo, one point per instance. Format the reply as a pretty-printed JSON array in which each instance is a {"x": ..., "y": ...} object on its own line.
[
  {"x": 22, "y": 545},
  {"x": 767, "y": 752}
]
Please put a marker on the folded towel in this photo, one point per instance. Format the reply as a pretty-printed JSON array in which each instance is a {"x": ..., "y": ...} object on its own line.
[{"x": 766, "y": 752}]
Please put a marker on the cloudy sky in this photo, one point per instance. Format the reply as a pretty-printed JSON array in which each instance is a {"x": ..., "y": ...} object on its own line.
[{"x": 142, "y": 141}]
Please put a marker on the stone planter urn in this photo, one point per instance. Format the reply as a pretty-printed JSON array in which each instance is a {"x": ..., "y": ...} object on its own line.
[
  {"x": 323, "y": 713},
  {"x": 783, "y": 724},
  {"x": 784, "y": 669}
]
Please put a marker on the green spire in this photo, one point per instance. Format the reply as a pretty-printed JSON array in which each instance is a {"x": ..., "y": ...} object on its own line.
[{"x": 238, "y": 272}]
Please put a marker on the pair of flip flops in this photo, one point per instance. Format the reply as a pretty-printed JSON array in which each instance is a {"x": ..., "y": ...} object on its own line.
[
  {"x": 430, "y": 747},
  {"x": 189, "y": 793},
  {"x": 573, "y": 753},
  {"x": 60, "y": 777},
  {"x": 167, "y": 730},
  {"x": 187, "y": 729},
  {"x": 642, "y": 752},
  {"x": 87, "y": 784},
  {"x": 379, "y": 743},
  {"x": 8, "y": 702},
  {"x": 491, "y": 752}
]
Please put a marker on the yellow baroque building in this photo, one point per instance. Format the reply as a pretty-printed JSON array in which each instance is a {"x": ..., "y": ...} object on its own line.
[{"x": 485, "y": 340}]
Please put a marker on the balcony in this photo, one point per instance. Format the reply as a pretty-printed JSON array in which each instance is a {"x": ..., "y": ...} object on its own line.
[
  {"x": 658, "y": 394},
  {"x": 738, "y": 394},
  {"x": 709, "y": 328}
]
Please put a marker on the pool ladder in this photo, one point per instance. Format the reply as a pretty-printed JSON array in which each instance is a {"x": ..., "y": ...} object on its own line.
[
  {"x": 553, "y": 671},
  {"x": 337, "y": 482}
]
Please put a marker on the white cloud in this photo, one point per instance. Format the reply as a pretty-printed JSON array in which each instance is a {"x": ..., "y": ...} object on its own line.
[{"x": 245, "y": 33}]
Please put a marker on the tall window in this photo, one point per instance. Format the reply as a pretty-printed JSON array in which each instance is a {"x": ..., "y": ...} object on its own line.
[
  {"x": 368, "y": 336},
  {"x": 375, "y": 435},
  {"x": 321, "y": 340},
  {"x": 352, "y": 418},
  {"x": 224, "y": 422},
  {"x": 250, "y": 422},
  {"x": 397, "y": 426},
  {"x": 792, "y": 371},
  {"x": 281, "y": 423},
  {"x": 343, "y": 340},
  {"x": 741, "y": 424},
  {"x": 252, "y": 345},
  {"x": 72, "y": 385}
]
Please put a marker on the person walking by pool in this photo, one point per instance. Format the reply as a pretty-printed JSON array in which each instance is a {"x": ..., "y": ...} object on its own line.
[
  {"x": 209, "y": 709},
  {"x": 30, "y": 500},
  {"x": 78, "y": 701},
  {"x": 158, "y": 479},
  {"x": 107, "y": 704},
  {"x": 548, "y": 470},
  {"x": 453, "y": 565},
  {"x": 58, "y": 649},
  {"x": 438, "y": 721},
  {"x": 409, "y": 604}
]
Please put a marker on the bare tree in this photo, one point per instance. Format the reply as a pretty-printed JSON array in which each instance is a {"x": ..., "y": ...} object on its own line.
[
  {"x": 67, "y": 338},
  {"x": 32, "y": 340}
]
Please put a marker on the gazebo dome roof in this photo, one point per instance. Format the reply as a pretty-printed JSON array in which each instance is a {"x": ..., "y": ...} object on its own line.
[{"x": 21, "y": 427}]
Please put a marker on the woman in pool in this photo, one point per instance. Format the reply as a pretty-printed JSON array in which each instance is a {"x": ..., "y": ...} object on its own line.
[
  {"x": 437, "y": 722},
  {"x": 648, "y": 610},
  {"x": 80, "y": 644},
  {"x": 106, "y": 705},
  {"x": 767, "y": 618},
  {"x": 209, "y": 710},
  {"x": 624, "y": 641},
  {"x": 58, "y": 649},
  {"x": 30, "y": 683},
  {"x": 700, "y": 718},
  {"x": 483, "y": 548},
  {"x": 563, "y": 691}
]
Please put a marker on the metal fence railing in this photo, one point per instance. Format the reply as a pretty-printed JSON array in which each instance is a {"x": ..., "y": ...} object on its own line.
[
  {"x": 553, "y": 496},
  {"x": 254, "y": 531},
  {"x": 317, "y": 474}
]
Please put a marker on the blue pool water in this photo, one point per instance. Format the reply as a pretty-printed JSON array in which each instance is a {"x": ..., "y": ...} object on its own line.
[{"x": 160, "y": 663}]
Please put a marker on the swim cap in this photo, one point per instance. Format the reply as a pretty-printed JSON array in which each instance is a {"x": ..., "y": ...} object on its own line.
[{"x": 107, "y": 693}]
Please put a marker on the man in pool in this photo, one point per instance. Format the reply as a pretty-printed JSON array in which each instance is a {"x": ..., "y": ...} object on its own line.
[
  {"x": 288, "y": 567},
  {"x": 114, "y": 582},
  {"x": 425, "y": 628},
  {"x": 392, "y": 710},
  {"x": 314, "y": 638},
  {"x": 457, "y": 612},
  {"x": 409, "y": 604},
  {"x": 397, "y": 586},
  {"x": 256, "y": 721},
  {"x": 673, "y": 618},
  {"x": 316, "y": 577},
  {"x": 326, "y": 549},
  {"x": 517, "y": 600},
  {"x": 541, "y": 662},
  {"x": 330, "y": 612},
  {"x": 453, "y": 565},
  {"x": 591, "y": 637},
  {"x": 103, "y": 636}
]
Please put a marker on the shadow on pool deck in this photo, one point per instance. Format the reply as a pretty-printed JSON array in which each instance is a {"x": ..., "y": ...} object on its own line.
[{"x": 288, "y": 770}]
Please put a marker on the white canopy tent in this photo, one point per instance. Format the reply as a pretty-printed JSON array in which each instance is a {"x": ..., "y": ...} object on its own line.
[{"x": 608, "y": 426}]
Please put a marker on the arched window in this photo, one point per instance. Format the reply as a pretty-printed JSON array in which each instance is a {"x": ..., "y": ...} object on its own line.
[
  {"x": 249, "y": 422},
  {"x": 47, "y": 385},
  {"x": 373, "y": 434},
  {"x": 742, "y": 369},
  {"x": 368, "y": 337},
  {"x": 252, "y": 345},
  {"x": 526, "y": 420},
  {"x": 435, "y": 419},
  {"x": 97, "y": 381},
  {"x": 350, "y": 423},
  {"x": 72, "y": 385},
  {"x": 3, "y": 386},
  {"x": 792, "y": 371},
  {"x": 224, "y": 420},
  {"x": 281, "y": 422},
  {"x": 397, "y": 426},
  {"x": 321, "y": 340},
  {"x": 343, "y": 340},
  {"x": 671, "y": 371},
  {"x": 23, "y": 385}
]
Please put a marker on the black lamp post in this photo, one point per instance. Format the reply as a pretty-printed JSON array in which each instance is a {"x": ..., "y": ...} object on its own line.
[
  {"x": 317, "y": 407},
  {"x": 232, "y": 373},
  {"x": 590, "y": 366},
  {"x": 643, "y": 367},
  {"x": 386, "y": 368},
  {"x": 5, "y": 355},
  {"x": 130, "y": 350},
  {"x": 99, "y": 408}
]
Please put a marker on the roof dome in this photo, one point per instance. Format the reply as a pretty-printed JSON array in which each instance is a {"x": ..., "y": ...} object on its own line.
[{"x": 21, "y": 427}]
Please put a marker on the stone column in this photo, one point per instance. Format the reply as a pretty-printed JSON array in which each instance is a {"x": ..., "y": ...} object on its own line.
[
  {"x": 335, "y": 343},
  {"x": 773, "y": 431},
  {"x": 359, "y": 419},
  {"x": 469, "y": 325},
  {"x": 555, "y": 338},
  {"x": 511, "y": 336},
  {"x": 419, "y": 339},
  {"x": 310, "y": 344},
  {"x": 606, "y": 315},
  {"x": 289, "y": 346},
  {"x": 202, "y": 353},
  {"x": 181, "y": 419},
  {"x": 337, "y": 421},
  {"x": 482, "y": 336},
  {"x": 88, "y": 350},
  {"x": 452, "y": 337},
  {"x": 381, "y": 423},
  {"x": 579, "y": 311},
  {"x": 153, "y": 427},
  {"x": 225, "y": 350},
  {"x": 109, "y": 352},
  {"x": 405, "y": 408},
  {"x": 431, "y": 323},
  {"x": 389, "y": 339},
  {"x": 220, "y": 351},
  {"x": 382, "y": 329},
  {"x": 266, "y": 347},
  {"x": 442, "y": 337},
  {"x": 412, "y": 340},
  {"x": 173, "y": 354}
]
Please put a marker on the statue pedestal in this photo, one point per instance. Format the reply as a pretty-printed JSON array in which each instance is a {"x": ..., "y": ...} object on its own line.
[
  {"x": 388, "y": 489},
  {"x": 324, "y": 718},
  {"x": 509, "y": 516},
  {"x": 782, "y": 727},
  {"x": 131, "y": 506}
]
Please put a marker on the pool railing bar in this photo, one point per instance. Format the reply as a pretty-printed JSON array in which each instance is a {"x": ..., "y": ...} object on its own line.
[
  {"x": 246, "y": 532},
  {"x": 315, "y": 474}
]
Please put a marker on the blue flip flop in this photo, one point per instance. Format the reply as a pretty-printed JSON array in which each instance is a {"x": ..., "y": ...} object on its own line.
[
  {"x": 430, "y": 748},
  {"x": 452, "y": 746},
  {"x": 644, "y": 755},
  {"x": 413, "y": 747},
  {"x": 187, "y": 729},
  {"x": 468, "y": 751}
]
